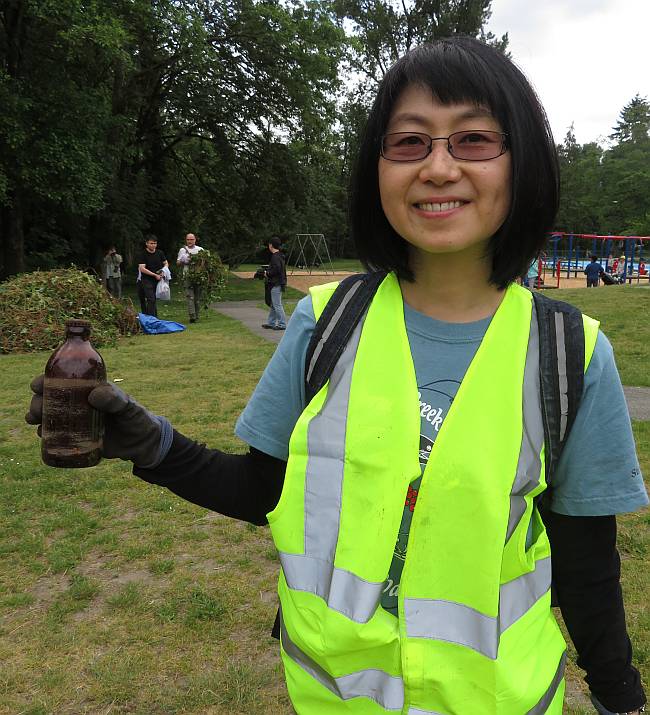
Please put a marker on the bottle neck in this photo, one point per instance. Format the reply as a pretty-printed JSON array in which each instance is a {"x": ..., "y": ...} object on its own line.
[{"x": 77, "y": 333}]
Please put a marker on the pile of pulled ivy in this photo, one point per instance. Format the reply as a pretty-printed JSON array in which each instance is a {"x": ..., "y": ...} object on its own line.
[
  {"x": 208, "y": 273},
  {"x": 35, "y": 306}
]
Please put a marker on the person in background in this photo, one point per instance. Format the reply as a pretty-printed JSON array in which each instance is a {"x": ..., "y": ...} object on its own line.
[
  {"x": 150, "y": 264},
  {"x": 593, "y": 271},
  {"x": 111, "y": 272},
  {"x": 276, "y": 278},
  {"x": 531, "y": 279},
  {"x": 192, "y": 292}
]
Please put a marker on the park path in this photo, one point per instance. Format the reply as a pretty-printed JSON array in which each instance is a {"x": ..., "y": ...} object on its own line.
[{"x": 248, "y": 313}]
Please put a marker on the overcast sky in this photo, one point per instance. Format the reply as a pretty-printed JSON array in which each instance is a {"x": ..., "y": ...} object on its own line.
[{"x": 585, "y": 58}]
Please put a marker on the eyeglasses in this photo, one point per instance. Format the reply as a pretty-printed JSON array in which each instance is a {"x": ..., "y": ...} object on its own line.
[{"x": 470, "y": 145}]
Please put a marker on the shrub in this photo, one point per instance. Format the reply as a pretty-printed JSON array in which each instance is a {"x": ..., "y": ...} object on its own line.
[
  {"x": 35, "y": 306},
  {"x": 208, "y": 273}
]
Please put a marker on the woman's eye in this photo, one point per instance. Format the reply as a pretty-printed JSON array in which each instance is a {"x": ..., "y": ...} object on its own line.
[
  {"x": 410, "y": 140},
  {"x": 475, "y": 138}
]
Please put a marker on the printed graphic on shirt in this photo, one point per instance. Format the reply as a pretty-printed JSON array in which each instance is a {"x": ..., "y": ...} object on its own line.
[{"x": 435, "y": 400}]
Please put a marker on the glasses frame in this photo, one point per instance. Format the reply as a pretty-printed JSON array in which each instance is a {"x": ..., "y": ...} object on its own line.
[{"x": 503, "y": 135}]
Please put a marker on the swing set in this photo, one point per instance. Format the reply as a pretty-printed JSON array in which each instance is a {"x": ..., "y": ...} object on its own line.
[{"x": 309, "y": 251}]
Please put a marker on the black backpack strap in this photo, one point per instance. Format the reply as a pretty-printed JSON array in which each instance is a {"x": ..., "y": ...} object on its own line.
[
  {"x": 561, "y": 372},
  {"x": 339, "y": 318}
]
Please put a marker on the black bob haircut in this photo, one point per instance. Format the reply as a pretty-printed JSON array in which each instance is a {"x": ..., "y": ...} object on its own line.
[{"x": 463, "y": 70}]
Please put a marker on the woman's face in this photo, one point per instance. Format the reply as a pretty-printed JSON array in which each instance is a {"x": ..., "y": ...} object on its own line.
[{"x": 442, "y": 205}]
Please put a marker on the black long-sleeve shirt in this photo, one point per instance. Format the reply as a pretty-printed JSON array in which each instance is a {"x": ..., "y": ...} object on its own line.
[
  {"x": 276, "y": 273},
  {"x": 586, "y": 564}
]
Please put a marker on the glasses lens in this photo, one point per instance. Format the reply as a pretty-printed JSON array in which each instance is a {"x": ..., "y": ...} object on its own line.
[
  {"x": 476, "y": 145},
  {"x": 405, "y": 146}
]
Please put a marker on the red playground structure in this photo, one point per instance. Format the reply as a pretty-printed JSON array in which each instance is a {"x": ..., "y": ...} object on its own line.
[{"x": 623, "y": 259}]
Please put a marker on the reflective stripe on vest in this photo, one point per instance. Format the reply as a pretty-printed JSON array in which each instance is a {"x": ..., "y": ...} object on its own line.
[
  {"x": 314, "y": 571},
  {"x": 529, "y": 464},
  {"x": 458, "y": 623}
]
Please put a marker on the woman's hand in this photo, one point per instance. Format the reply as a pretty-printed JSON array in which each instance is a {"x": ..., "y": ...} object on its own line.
[{"x": 131, "y": 432}]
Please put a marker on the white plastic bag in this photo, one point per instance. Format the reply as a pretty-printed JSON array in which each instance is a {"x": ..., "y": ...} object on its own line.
[{"x": 162, "y": 290}]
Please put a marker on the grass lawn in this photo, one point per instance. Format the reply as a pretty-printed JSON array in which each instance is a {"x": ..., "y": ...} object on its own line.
[
  {"x": 339, "y": 264},
  {"x": 118, "y": 597},
  {"x": 624, "y": 314},
  {"x": 250, "y": 289}
]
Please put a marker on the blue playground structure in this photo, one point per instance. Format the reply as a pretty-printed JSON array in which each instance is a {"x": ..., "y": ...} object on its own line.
[{"x": 625, "y": 256}]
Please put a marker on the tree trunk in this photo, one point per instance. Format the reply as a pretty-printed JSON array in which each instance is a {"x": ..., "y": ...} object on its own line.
[{"x": 12, "y": 236}]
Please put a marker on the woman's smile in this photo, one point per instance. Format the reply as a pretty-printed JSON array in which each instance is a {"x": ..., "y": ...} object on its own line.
[{"x": 439, "y": 208}]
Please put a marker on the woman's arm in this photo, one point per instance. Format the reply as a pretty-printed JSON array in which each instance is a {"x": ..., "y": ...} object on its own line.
[
  {"x": 586, "y": 575},
  {"x": 242, "y": 486}
]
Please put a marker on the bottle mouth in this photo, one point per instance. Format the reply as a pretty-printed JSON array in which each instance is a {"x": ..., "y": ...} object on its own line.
[{"x": 78, "y": 323}]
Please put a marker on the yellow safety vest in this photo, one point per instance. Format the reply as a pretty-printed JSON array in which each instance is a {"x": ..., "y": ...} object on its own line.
[{"x": 475, "y": 633}]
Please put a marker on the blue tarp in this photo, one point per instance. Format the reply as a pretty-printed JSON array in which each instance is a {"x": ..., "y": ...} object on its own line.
[{"x": 155, "y": 326}]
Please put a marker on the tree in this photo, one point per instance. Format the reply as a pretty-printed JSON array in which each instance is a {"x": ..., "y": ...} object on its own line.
[
  {"x": 580, "y": 186},
  {"x": 626, "y": 171},
  {"x": 384, "y": 30},
  {"x": 53, "y": 118},
  {"x": 102, "y": 134},
  {"x": 634, "y": 122}
]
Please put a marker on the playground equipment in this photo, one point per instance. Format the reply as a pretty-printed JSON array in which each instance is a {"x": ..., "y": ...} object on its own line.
[
  {"x": 309, "y": 251},
  {"x": 567, "y": 254}
]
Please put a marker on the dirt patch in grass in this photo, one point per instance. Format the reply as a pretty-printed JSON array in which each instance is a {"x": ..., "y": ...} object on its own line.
[
  {"x": 48, "y": 587},
  {"x": 199, "y": 565},
  {"x": 113, "y": 577}
]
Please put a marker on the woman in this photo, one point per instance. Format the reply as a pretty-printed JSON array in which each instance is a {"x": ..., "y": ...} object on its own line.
[{"x": 442, "y": 605}]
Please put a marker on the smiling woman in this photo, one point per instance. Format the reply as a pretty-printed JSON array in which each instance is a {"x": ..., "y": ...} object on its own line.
[{"x": 413, "y": 499}]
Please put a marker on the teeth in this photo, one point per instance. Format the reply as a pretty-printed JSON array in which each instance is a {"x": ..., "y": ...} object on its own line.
[{"x": 435, "y": 208}]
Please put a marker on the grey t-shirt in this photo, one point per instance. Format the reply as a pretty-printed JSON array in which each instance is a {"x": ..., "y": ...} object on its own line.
[{"x": 598, "y": 472}]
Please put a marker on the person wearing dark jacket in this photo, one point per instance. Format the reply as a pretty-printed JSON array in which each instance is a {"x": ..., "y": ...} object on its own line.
[
  {"x": 276, "y": 280},
  {"x": 593, "y": 271}
]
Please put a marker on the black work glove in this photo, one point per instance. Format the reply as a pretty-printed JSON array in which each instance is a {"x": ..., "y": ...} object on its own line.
[{"x": 131, "y": 432}]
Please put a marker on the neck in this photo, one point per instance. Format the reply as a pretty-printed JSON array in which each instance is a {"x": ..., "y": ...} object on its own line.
[{"x": 452, "y": 288}]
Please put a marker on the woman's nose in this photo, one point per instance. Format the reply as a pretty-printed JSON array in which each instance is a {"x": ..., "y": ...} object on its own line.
[{"x": 440, "y": 166}]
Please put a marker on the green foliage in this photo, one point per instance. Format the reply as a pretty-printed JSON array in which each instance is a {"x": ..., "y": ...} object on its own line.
[
  {"x": 581, "y": 195},
  {"x": 634, "y": 122},
  {"x": 607, "y": 191},
  {"x": 219, "y": 118},
  {"x": 384, "y": 30},
  {"x": 35, "y": 306},
  {"x": 206, "y": 272}
]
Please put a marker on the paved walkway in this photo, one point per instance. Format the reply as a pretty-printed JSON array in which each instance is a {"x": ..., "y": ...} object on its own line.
[{"x": 247, "y": 312}]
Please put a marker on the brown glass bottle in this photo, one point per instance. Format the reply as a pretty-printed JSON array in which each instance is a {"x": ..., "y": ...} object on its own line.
[{"x": 72, "y": 430}]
